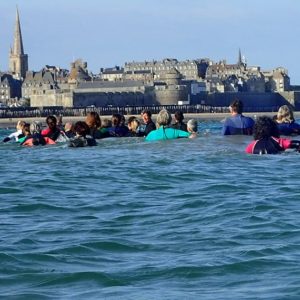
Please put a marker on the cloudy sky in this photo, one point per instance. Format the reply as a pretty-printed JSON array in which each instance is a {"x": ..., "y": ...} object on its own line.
[{"x": 106, "y": 33}]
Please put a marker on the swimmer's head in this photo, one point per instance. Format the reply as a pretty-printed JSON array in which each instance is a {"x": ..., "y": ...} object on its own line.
[
  {"x": 20, "y": 125},
  {"x": 35, "y": 127},
  {"x": 192, "y": 126}
]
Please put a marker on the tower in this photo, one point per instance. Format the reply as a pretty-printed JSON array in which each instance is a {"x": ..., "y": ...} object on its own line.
[
  {"x": 240, "y": 62},
  {"x": 18, "y": 61}
]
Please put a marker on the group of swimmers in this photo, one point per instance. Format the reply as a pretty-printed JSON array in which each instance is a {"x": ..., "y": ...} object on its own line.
[
  {"x": 266, "y": 131},
  {"x": 87, "y": 132}
]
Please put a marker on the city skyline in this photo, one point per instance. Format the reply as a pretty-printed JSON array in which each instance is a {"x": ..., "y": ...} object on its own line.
[{"x": 108, "y": 34}]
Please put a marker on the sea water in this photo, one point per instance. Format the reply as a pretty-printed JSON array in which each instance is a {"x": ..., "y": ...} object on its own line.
[{"x": 179, "y": 219}]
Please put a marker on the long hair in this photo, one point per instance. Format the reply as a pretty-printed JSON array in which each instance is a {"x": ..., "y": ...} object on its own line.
[
  {"x": 133, "y": 124},
  {"x": 51, "y": 119},
  {"x": 285, "y": 114},
  {"x": 93, "y": 120},
  {"x": 265, "y": 127},
  {"x": 20, "y": 125},
  {"x": 179, "y": 116}
]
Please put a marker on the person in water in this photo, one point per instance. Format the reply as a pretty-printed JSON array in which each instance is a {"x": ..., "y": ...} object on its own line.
[
  {"x": 118, "y": 128},
  {"x": 267, "y": 139},
  {"x": 35, "y": 138},
  {"x": 192, "y": 128},
  {"x": 133, "y": 125},
  {"x": 93, "y": 121},
  {"x": 179, "y": 124},
  {"x": 286, "y": 122},
  {"x": 69, "y": 130},
  {"x": 237, "y": 124},
  {"x": 149, "y": 124},
  {"x": 25, "y": 133},
  {"x": 82, "y": 138},
  {"x": 164, "y": 132},
  {"x": 17, "y": 134},
  {"x": 52, "y": 131},
  {"x": 104, "y": 129}
]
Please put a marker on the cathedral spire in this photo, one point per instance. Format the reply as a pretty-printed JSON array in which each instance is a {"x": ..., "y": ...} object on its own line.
[
  {"x": 18, "y": 42},
  {"x": 240, "y": 60},
  {"x": 18, "y": 61}
]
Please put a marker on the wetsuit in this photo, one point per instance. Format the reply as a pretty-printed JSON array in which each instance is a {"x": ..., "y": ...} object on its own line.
[
  {"x": 37, "y": 139},
  {"x": 166, "y": 133},
  {"x": 289, "y": 128},
  {"x": 52, "y": 134},
  {"x": 238, "y": 124},
  {"x": 17, "y": 135},
  {"x": 150, "y": 126},
  {"x": 81, "y": 141},
  {"x": 180, "y": 126},
  {"x": 271, "y": 145},
  {"x": 118, "y": 131},
  {"x": 69, "y": 134}
]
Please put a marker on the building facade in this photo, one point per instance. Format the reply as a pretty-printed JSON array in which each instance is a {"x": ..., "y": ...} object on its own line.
[
  {"x": 10, "y": 88},
  {"x": 189, "y": 69},
  {"x": 241, "y": 78}
]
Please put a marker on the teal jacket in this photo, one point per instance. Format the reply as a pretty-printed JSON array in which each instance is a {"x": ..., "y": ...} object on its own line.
[{"x": 166, "y": 133}]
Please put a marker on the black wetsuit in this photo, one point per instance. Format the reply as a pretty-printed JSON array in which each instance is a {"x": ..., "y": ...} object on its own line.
[
  {"x": 80, "y": 141},
  {"x": 267, "y": 146},
  {"x": 149, "y": 127},
  {"x": 180, "y": 126}
]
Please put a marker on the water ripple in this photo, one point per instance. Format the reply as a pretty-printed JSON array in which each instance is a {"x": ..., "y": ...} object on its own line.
[{"x": 129, "y": 219}]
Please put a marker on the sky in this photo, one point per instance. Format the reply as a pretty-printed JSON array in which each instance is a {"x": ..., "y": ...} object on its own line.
[{"x": 106, "y": 33}]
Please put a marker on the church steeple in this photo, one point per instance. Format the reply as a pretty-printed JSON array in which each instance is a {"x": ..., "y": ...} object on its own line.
[
  {"x": 240, "y": 61},
  {"x": 18, "y": 42},
  {"x": 18, "y": 61}
]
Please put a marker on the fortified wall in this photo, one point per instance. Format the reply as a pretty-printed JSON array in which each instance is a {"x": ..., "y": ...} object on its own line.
[
  {"x": 167, "y": 90},
  {"x": 52, "y": 98},
  {"x": 252, "y": 101}
]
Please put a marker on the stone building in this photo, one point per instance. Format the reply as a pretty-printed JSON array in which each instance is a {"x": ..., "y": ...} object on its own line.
[
  {"x": 239, "y": 77},
  {"x": 277, "y": 80},
  {"x": 78, "y": 72},
  {"x": 112, "y": 74},
  {"x": 53, "y": 86},
  {"x": 112, "y": 93},
  {"x": 144, "y": 75},
  {"x": 215, "y": 85},
  {"x": 48, "y": 87},
  {"x": 9, "y": 88},
  {"x": 189, "y": 69},
  {"x": 18, "y": 61},
  {"x": 168, "y": 90},
  {"x": 255, "y": 83},
  {"x": 222, "y": 70},
  {"x": 40, "y": 82}
]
